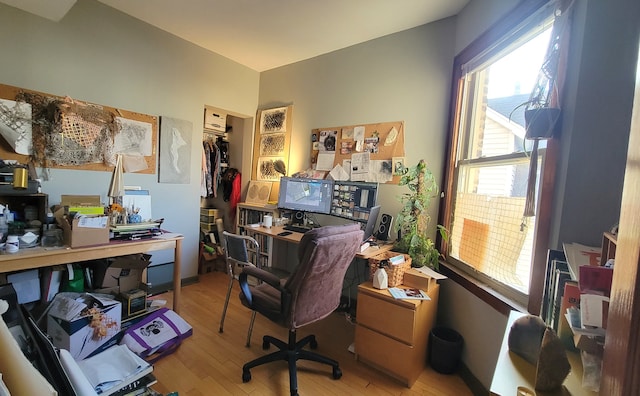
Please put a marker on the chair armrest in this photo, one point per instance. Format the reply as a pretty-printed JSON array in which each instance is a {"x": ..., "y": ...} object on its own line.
[{"x": 266, "y": 277}]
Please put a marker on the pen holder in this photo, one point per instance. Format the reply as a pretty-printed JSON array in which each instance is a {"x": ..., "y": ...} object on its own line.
[{"x": 395, "y": 272}]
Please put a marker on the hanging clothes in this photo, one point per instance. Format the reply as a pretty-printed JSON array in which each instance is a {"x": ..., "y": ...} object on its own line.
[
  {"x": 231, "y": 185},
  {"x": 203, "y": 174},
  {"x": 211, "y": 168}
]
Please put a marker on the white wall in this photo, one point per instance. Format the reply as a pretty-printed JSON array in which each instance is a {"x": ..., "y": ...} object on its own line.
[
  {"x": 400, "y": 77},
  {"x": 100, "y": 55}
]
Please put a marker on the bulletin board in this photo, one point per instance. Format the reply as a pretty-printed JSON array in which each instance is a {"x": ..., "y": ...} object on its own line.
[
  {"x": 81, "y": 125},
  {"x": 367, "y": 152}
]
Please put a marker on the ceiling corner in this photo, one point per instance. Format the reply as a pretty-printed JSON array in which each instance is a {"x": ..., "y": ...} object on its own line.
[{"x": 53, "y": 10}]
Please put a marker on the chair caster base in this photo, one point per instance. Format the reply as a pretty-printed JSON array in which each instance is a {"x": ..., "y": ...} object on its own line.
[{"x": 246, "y": 376}]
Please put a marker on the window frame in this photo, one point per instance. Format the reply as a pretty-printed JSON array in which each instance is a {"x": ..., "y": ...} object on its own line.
[{"x": 491, "y": 42}]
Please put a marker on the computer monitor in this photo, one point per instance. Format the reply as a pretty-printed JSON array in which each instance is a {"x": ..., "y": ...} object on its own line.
[
  {"x": 371, "y": 222},
  {"x": 354, "y": 200},
  {"x": 307, "y": 195}
]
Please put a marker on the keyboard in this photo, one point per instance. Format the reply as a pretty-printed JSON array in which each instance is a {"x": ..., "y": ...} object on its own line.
[{"x": 300, "y": 229}]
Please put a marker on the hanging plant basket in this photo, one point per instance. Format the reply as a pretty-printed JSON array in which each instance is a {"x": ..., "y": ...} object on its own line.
[{"x": 541, "y": 123}]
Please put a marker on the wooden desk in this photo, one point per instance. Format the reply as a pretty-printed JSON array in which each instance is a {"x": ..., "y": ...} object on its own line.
[
  {"x": 513, "y": 371},
  {"x": 44, "y": 257},
  {"x": 295, "y": 237}
]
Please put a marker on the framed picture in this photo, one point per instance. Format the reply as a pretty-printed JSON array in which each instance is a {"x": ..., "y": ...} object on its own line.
[
  {"x": 274, "y": 120},
  {"x": 175, "y": 151},
  {"x": 271, "y": 144},
  {"x": 258, "y": 192},
  {"x": 398, "y": 166}
]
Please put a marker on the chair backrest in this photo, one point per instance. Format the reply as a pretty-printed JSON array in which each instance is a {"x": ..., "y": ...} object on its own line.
[
  {"x": 315, "y": 286},
  {"x": 235, "y": 248}
]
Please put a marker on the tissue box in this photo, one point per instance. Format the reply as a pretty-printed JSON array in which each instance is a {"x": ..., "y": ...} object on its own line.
[
  {"x": 414, "y": 278},
  {"x": 82, "y": 322}
]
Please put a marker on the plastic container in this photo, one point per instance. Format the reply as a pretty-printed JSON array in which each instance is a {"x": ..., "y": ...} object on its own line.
[
  {"x": 445, "y": 349},
  {"x": 13, "y": 244}
]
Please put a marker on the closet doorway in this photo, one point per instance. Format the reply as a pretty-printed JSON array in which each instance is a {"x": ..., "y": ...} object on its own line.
[{"x": 234, "y": 141}]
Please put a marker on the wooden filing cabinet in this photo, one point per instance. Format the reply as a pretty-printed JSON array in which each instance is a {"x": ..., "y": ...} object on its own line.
[{"x": 392, "y": 335}]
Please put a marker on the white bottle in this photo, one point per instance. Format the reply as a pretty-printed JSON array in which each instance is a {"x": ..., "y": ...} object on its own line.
[
  {"x": 380, "y": 279},
  {"x": 8, "y": 216}
]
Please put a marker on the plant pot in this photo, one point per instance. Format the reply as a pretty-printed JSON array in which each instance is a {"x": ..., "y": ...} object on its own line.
[{"x": 541, "y": 123}]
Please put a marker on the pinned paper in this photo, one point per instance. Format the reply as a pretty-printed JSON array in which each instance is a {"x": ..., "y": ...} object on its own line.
[
  {"x": 15, "y": 125},
  {"x": 338, "y": 173},
  {"x": 391, "y": 137},
  {"x": 93, "y": 221},
  {"x": 325, "y": 161}
]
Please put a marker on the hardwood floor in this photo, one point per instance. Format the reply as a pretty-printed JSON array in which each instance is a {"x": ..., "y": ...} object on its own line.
[{"x": 210, "y": 363}]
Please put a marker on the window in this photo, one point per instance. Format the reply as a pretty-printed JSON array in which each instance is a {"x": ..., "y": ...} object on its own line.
[{"x": 489, "y": 159}]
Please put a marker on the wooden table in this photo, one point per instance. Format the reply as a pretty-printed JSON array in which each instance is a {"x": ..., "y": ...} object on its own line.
[
  {"x": 295, "y": 237},
  {"x": 39, "y": 257}
]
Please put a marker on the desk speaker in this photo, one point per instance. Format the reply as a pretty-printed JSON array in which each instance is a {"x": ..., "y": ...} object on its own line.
[{"x": 383, "y": 232}]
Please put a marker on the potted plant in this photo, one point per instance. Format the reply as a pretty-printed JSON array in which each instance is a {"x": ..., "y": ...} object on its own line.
[{"x": 413, "y": 219}]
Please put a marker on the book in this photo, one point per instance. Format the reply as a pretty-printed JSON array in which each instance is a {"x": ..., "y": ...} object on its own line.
[
  {"x": 114, "y": 368},
  {"x": 596, "y": 280},
  {"x": 561, "y": 277},
  {"x": 579, "y": 255},
  {"x": 570, "y": 299},
  {"x": 553, "y": 256},
  {"x": 408, "y": 294}
]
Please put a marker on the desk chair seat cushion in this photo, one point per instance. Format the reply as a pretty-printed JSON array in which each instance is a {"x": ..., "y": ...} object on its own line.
[
  {"x": 313, "y": 291},
  {"x": 266, "y": 296}
]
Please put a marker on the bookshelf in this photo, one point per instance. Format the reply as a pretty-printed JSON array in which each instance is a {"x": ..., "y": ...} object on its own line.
[{"x": 253, "y": 214}]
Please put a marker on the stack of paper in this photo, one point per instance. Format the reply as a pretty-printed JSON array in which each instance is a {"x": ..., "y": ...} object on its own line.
[{"x": 113, "y": 369}]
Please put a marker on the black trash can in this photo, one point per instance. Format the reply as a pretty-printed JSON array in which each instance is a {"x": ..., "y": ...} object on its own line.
[{"x": 445, "y": 349}]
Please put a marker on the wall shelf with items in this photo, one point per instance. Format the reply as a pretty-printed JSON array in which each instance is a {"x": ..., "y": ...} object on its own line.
[{"x": 249, "y": 216}]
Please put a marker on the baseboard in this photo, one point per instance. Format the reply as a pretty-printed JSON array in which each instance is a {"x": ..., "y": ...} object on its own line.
[
  {"x": 160, "y": 276},
  {"x": 472, "y": 382}
]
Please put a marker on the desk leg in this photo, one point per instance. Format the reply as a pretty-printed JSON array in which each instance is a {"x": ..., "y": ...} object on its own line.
[{"x": 177, "y": 281}]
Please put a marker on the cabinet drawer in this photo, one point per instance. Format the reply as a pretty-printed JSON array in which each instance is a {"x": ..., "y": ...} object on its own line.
[
  {"x": 391, "y": 356},
  {"x": 387, "y": 317}
]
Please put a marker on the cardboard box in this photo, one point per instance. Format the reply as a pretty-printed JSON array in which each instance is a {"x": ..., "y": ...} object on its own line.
[
  {"x": 126, "y": 272},
  {"x": 84, "y": 230},
  {"x": 82, "y": 322},
  {"x": 83, "y": 204},
  {"x": 418, "y": 280},
  {"x": 26, "y": 285},
  {"x": 215, "y": 120}
]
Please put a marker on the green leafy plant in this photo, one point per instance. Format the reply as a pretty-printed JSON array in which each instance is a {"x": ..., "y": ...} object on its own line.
[{"x": 413, "y": 219}]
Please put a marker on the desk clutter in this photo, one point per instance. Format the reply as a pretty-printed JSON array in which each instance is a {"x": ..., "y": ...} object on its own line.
[
  {"x": 27, "y": 220},
  {"x": 103, "y": 337}
]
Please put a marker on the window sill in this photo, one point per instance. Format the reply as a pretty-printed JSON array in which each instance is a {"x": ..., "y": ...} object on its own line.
[{"x": 481, "y": 290}]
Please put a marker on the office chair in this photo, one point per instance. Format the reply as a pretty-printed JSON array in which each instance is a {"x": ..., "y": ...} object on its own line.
[
  {"x": 311, "y": 293},
  {"x": 237, "y": 256}
]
